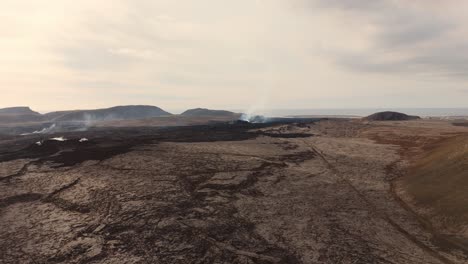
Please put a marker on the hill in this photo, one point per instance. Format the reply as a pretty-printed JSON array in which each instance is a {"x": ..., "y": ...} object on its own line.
[
  {"x": 390, "y": 116},
  {"x": 19, "y": 114},
  {"x": 207, "y": 112},
  {"x": 13, "y": 118},
  {"x": 112, "y": 113},
  {"x": 18, "y": 110},
  {"x": 53, "y": 115}
]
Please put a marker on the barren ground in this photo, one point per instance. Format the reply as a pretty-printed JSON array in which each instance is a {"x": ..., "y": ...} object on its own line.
[{"x": 329, "y": 192}]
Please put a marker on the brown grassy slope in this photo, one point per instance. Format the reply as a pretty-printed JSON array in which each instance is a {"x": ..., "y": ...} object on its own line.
[
  {"x": 435, "y": 184},
  {"x": 438, "y": 181}
]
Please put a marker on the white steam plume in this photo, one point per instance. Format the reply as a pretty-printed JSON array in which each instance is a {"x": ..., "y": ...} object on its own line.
[
  {"x": 45, "y": 130},
  {"x": 256, "y": 111}
]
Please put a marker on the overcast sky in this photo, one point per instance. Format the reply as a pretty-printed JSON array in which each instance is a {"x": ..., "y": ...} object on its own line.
[{"x": 234, "y": 54}]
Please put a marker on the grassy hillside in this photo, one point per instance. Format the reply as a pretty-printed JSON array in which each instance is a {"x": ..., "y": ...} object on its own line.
[{"x": 439, "y": 182}]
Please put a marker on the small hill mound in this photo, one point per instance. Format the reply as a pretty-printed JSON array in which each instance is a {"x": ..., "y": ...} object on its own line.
[
  {"x": 113, "y": 113},
  {"x": 390, "y": 116},
  {"x": 207, "y": 112}
]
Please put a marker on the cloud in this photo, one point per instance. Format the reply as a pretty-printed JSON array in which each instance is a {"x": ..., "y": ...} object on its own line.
[
  {"x": 225, "y": 53},
  {"x": 129, "y": 52},
  {"x": 417, "y": 37}
]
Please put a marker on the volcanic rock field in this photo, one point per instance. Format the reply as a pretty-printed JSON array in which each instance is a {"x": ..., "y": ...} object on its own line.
[{"x": 317, "y": 192}]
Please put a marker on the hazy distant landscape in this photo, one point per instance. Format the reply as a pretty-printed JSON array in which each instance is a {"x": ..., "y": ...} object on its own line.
[
  {"x": 25, "y": 120},
  {"x": 361, "y": 112}
]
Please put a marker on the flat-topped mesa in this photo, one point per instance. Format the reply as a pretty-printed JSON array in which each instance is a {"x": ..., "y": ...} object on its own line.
[
  {"x": 19, "y": 114},
  {"x": 17, "y": 110},
  {"x": 390, "y": 116}
]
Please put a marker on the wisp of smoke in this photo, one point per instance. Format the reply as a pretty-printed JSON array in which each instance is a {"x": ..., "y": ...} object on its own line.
[
  {"x": 45, "y": 130},
  {"x": 252, "y": 114},
  {"x": 90, "y": 119}
]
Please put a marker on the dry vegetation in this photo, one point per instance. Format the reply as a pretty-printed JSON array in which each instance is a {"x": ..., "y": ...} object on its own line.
[
  {"x": 437, "y": 185},
  {"x": 440, "y": 179}
]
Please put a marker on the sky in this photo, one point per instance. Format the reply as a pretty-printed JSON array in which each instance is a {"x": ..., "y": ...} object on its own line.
[{"x": 234, "y": 54}]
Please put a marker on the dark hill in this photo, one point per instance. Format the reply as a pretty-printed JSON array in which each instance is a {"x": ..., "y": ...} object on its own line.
[
  {"x": 390, "y": 116},
  {"x": 113, "y": 113},
  {"x": 207, "y": 112},
  {"x": 20, "y": 118},
  {"x": 57, "y": 114},
  {"x": 19, "y": 115},
  {"x": 19, "y": 110}
]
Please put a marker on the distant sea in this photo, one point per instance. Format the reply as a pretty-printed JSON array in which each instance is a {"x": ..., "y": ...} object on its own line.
[{"x": 423, "y": 112}]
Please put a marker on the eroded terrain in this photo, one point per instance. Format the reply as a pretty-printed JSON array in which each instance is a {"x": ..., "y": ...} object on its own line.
[{"x": 307, "y": 193}]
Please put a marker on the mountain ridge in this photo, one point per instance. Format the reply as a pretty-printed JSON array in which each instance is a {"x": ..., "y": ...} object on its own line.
[{"x": 25, "y": 114}]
